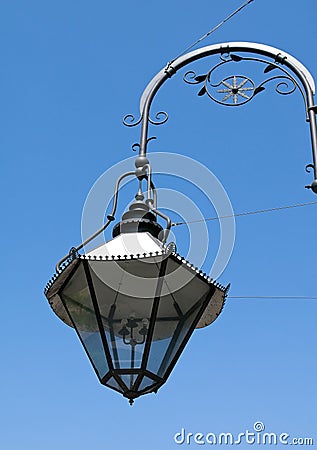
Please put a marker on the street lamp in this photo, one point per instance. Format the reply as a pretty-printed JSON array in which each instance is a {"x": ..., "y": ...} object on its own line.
[{"x": 133, "y": 301}]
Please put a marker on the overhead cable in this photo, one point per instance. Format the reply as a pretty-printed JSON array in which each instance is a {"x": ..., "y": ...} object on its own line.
[
  {"x": 247, "y": 213},
  {"x": 214, "y": 28}
]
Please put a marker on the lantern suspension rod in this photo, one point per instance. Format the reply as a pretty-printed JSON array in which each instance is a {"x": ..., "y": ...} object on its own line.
[
  {"x": 279, "y": 57},
  {"x": 110, "y": 218}
]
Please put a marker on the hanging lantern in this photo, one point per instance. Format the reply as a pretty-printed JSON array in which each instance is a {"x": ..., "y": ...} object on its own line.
[{"x": 134, "y": 302}]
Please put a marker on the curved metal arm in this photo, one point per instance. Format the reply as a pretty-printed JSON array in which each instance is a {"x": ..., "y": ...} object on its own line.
[
  {"x": 165, "y": 217},
  {"x": 153, "y": 188},
  {"x": 110, "y": 218},
  {"x": 278, "y": 56}
]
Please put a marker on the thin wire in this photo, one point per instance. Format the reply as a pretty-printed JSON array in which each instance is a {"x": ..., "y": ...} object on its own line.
[
  {"x": 274, "y": 297},
  {"x": 214, "y": 29},
  {"x": 247, "y": 213}
]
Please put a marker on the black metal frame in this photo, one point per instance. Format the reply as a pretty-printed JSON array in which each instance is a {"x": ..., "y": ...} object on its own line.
[{"x": 166, "y": 365}]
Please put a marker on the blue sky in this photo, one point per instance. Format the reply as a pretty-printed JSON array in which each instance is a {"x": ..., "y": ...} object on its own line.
[{"x": 69, "y": 72}]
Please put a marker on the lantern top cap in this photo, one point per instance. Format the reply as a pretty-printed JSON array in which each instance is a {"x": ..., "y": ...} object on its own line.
[{"x": 128, "y": 244}]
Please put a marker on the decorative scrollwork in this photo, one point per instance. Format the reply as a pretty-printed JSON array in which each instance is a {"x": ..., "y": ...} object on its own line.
[
  {"x": 289, "y": 90},
  {"x": 308, "y": 167},
  {"x": 191, "y": 77},
  {"x": 130, "y": 121},
  {"x": 236, "y": 90},
  {"x": 137, "y": 146},
  {"x": 289, "y": 84},
  {"x": 161, "y": 117}
]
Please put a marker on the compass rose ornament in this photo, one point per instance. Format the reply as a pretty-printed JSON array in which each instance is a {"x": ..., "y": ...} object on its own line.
[{"x": 237, "y": 86}]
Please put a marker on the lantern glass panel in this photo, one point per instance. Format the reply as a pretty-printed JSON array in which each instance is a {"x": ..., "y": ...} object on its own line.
[
  {"x": 166, "y": 324},
  {"x": 124, "y": 355},
  {"x": 125, "y": 319},
  {"x": 145, "y": 383},
  {"x": 176, "y": 342},
  {"x": 128, "y": 380},
  {"x": 177, "y": 311},
  {"x": 114, "y": 384},
  {"x": 77, "y": 300},
  {"x": 163, "y": 351}
]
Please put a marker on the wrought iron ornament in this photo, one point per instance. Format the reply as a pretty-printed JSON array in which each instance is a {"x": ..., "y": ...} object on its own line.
[
  {"x": 236, "y": 90},
  {"x": 160, "y": 117}
]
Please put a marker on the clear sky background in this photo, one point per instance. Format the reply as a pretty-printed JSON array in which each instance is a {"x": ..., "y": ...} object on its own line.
[{"x": 69, "y": 72}]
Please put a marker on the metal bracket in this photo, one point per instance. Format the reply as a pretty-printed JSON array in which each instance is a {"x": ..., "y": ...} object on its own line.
[{"x": 301, "y": 79}]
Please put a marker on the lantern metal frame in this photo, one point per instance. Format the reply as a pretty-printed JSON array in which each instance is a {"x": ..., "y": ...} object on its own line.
[{"x": 212, "y": 300}]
